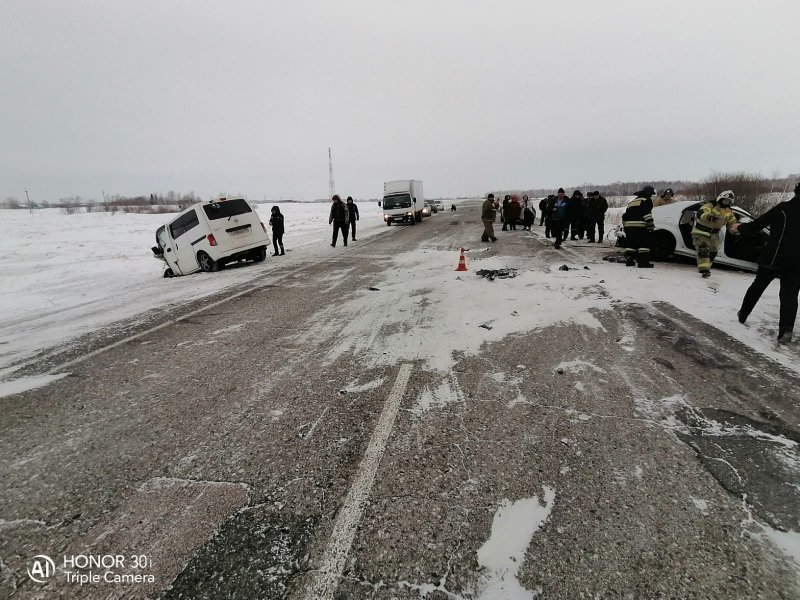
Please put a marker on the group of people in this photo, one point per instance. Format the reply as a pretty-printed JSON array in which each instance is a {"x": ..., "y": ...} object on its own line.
[
  {"x": 343, "y": 217},
  {"x": 576, "y": 217}
]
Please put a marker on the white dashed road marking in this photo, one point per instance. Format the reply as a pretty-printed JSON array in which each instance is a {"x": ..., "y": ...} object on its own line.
[{"x": 326, "y": 580}]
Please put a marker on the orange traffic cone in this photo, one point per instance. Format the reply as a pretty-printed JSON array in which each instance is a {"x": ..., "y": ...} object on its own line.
[{"x": 462, "y": 262}]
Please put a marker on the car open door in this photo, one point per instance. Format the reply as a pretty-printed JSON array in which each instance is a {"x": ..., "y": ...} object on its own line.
[
  {"x": 167, "y": 249},
  {"x": 743, "y": 250},
  {"x": 181, "y": 232}
]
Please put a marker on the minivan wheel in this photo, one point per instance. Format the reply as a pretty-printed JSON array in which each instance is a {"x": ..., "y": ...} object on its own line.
[
  {"x": 206, "y": 263},
  {"x": 260, "y": 254},
  {"x": 168, "y": 272}
]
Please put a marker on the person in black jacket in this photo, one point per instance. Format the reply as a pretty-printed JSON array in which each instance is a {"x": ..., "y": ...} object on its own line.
[
  {"x": 543, "y": 212},
  {"x": 637, "y": 222},
  {"x": 505, "y": 215},
  {"x": 780, "y": 259},
  {"x": 575, "y": 203},
  {"x": 352, "y": 212},
  {"x": 276, "y": 222},
  {"x": 596, "y": 207},
  {"x": 339, "y": 218}
]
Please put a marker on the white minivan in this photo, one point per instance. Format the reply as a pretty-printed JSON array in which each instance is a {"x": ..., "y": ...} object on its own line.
[{"x": 208, "y": 235}]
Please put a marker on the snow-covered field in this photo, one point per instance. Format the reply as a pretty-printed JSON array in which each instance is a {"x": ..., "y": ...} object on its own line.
[{"x": 66, "y": 275}]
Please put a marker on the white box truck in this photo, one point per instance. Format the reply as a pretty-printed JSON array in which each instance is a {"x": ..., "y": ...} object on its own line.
[{"x": 402, "y": 201}]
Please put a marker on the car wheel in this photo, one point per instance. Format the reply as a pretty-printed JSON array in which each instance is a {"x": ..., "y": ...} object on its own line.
[
  {"x": 662, "y": 245},
  {"x": 260, "y": 254},
  {"x": 206, "y": 263},
  {"x": 168, "y": 272}
]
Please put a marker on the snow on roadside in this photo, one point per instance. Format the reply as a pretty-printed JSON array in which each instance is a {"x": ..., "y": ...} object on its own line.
[
  {"x": 25, "y": 384},
  {"x": 68, "y": 275},
  {"x": 502, "y": 555}
]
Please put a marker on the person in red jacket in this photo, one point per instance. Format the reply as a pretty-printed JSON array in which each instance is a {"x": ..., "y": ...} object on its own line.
[{"x": 514, "y": 213}]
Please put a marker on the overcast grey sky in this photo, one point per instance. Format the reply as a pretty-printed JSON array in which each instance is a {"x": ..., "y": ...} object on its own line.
[{"x": 139, "y": 96}]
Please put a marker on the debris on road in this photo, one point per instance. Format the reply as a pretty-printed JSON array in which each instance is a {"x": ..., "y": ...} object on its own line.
[
  {"x": 374, "y": 289},
  {"x": 485, "y": 326},
  {"x": 563, "y": 268},
  {"x": 491, "y": 274}
]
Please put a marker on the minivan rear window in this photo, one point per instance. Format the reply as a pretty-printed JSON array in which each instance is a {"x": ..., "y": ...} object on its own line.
[{"x": 226, "y": 208}]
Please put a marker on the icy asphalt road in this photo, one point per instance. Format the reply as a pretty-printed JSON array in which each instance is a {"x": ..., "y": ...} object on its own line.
[{"x": 314, "y": 438}]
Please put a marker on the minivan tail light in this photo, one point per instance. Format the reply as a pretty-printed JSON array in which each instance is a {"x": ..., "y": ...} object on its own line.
[
  {"x": 212, "y": 241},
  {"x": 263, "y": 227}
]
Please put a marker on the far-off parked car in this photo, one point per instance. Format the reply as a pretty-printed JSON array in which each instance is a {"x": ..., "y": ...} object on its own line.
[
  {"x": 673, "y": 235},
  {"x": 210, "y": 234}
]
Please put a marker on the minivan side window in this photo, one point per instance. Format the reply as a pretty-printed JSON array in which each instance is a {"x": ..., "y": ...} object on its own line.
[
  {"x": 226, "y": 208},
  {"x": 183, "y": 224}
]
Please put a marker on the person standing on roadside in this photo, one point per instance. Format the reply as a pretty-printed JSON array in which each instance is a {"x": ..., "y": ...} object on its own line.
[
  {"x": 543, "y": 213},
  {"x": 559, "y": 217},
  {"x": 710, "y": 219},
  {"x": 528, "y": 217},
  {"x": 779, "y": 259},
  {"x": 339, "y": 217},
  {"x": 575, "y": 204},
  {"x": 276, "y": 222},
  {"x": 352, "y": 215},
  {"x": 514, "y": 213},
  {"x": 504, "y": 212},
  {"x": 596, "y": 207},
  {"x": 488, "y": 215},
  {"x": 637, "y": 222}
]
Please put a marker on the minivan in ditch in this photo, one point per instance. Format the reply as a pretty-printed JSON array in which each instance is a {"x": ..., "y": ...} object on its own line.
[{"x": 210, "y": 234}]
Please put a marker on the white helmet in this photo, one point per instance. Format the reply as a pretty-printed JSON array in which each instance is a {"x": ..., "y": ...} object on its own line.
[{"x": 726, "y": 198}]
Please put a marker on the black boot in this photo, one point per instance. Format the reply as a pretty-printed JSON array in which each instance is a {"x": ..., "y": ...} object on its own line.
[
  {"x": 643, "y": 261},
  {"x": 630, "y": 261},
  {"x": 785, "y": 336}
]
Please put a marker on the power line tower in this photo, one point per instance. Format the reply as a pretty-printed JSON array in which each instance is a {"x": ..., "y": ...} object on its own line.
[{"x": 331, "y": 184}]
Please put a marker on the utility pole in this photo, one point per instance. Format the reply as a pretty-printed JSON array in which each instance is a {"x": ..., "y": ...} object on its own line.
[
  {"x": 30, "y": 206},
  {"x": 331, "y": 184}
]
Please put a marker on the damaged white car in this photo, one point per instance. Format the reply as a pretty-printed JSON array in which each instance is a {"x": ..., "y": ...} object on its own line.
[{"x": 673, "y": 235}]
